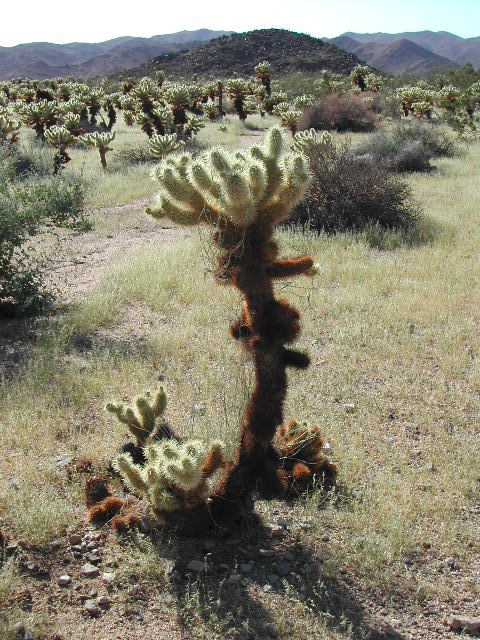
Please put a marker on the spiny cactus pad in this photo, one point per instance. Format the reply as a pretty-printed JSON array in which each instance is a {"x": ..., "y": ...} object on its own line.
[
  {"x": 142, "y": 416},
  {"x": 261, "y": 184}
]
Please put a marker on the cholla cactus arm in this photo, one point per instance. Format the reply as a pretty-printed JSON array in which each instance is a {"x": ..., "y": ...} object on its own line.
[
  {"x": 128, "y": 117},
  {"x": 263, "y": 72},
  {"x": 161, "y": 146},
  {"x": 210, "y": 109},
  {"x": 146, "y": 123},
  {"x": 141, "y": 420},
  {"x": 358, "y": 76},
  {"x": 71, "y": 121},
  {"x": 290, "y": 119}
]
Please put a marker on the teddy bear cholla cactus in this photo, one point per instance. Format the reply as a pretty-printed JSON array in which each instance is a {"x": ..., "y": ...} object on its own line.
[
  {"x": 306, "y": 141},
  {"x": 60, "y": 138},
  {"x": 161, "y": 146},
  {"x": 100, "y": 141},
  {"x": 170, "y": 475},
  {"x": 8, "y": 129}
]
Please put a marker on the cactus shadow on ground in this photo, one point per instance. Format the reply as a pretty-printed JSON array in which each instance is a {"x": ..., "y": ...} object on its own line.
[{"x": 225, "y": 604}]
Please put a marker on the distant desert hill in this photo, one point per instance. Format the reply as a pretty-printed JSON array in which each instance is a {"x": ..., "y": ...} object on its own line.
[
  {"x": 397, "y": 57},
  {"x": 46, "y": 60},
  {"x": 442, "y": 43},
  {"x": 240, "y": 52}
]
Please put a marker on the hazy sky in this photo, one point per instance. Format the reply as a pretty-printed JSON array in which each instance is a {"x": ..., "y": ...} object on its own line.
[{"x": 90, "y": 21}]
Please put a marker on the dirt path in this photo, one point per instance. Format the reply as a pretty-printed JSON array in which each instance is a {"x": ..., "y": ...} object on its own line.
[{"x": 78, "y": 260}]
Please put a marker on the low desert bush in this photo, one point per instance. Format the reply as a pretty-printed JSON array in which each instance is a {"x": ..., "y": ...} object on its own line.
[
  {"x": 29, "y": 203},
  {"x": 347, "y": 193},
  {"x": 135, "y": 154},
  {"x": 408, "y": 146},
  {"x": 339, "y": 112}
]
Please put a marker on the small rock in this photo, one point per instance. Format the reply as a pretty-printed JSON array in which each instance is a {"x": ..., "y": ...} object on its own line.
[
  {"x": 89, "y": 570},
  {"x": 234, "y": 579},
  {"x": 63, "y": 460},
  {"x": 325, "y": 537},
  {"x": 107, "y": 579},
  {"x": 75, "y": 539},
  {"x": 246, "y": 567},
  {"x": 93, "y": 593},
  {"x": 267, "y": 587},
  {"x": 224, "y": 566},
  {"x": 273, "y": 578},
  {"x": 266, "y": 553},
  {"x": 63, "y": 581},
  {"x": 133, "y": 591},
  {"x": 349, "y": 407},
  {"x": 103, "y": 601},
  {"x": 93, "y": 558},
  {"x": 77, "y": 548},
  {"x": 32, "y": 567},
  {"x": 464, "y": 623},
  {"x": 18, "y": 629},
  {"x": 199, "y": 409},
  {"x": 282, "y": 522},
  {"x": 91, "y": 607},
  {"x": 92, "y": 545},
  {"x": 28, "y": 636},
  {"x": 197, "y": 565},
  {"x": 276, "y": 531}
]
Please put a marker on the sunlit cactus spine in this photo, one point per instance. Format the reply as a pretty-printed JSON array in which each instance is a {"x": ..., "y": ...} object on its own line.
[
  {"x": 263, "y": 72},
  {"x": 145, "y": 122},
  {"x": 142, "y": 416},
  {"x": 178, "y": 99},
  {"x": 162, "y": 120},
  {"x": 8, "y": 129},
  {"x": 108, "y": 105},
  {"x": 422, "y": 109},
  {"x": 160, "y": 77},
  {"x": 448, "y": 98},
  {"x": 373, "y": 82},
  {"x": 193, "y": 125},
  {"x": 271, "y": 101},
  {"x": 161, "y": 146},
  {"x": 100, "y": 141}
]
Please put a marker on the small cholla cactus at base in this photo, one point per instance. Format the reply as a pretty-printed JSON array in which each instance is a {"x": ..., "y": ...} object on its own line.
[
  {"x": 301, "y": 450},
  {"x": 175, "y": 475},
  {"x": 100, "y": 141}
]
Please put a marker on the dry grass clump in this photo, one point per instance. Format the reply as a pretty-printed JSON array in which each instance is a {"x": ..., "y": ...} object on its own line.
[{"x": 339, "y": 112}]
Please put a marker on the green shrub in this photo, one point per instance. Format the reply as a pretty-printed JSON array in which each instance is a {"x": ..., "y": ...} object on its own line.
[
  {"x": 30, "y": 203},
  {"x": 349, "y": 194},
  {"x": 407, "y": 146}
]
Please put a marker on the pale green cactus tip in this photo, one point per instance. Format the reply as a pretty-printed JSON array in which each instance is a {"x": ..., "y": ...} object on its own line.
[
  {"x": 161, "y": 146},
  {"x": 58, "y": 136},
  {"x": 171, "y": 470},
  {"x": 260, "y": 185},
  {"x": 141, "y": 418}
]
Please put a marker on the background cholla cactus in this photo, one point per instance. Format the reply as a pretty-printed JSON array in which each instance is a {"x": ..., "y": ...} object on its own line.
[
  {"x": 290, "y": 119},
  {"x": 163, "y": 119},
  {"x": 263, "y": 72},
  {"x": 373, "y": 82},
  {"x": 71, "y": 121},
  {"x": 161, "y": 146},
  {"x": 304, "y": 101},
  {"x": 237, "y": 90},
  {"x": 277, "y": 97},
  {"x": 210, "y": 109},
  {"x": 359, "y": 75},
  {"x": 128, "y": 117},
  {"x": 145, "y": 122},
  {"x": 8, "y": 129},
  {"x": 39, "y": 115},
  {"x": 306, "y": 141},
  {"x": 60, "y": 138},
  {"x": 178, "y": 98},
  {"x": 94, "y": 104},
  {"x": 422, "y": 109},
  {"x": 448, "y": 98},
  {"x": 100, "y": 141},
  {"x": 193, "y": 125}
]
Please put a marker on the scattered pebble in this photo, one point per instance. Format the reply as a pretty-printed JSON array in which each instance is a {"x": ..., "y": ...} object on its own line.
[
  {"x": 89, "y": 570},
  {"x": 266, "y": 553},
  {"x": 349, "y": 407},
  {"x": 107, "y": 579},
  {"x": 246, "y": 567},
  {"x": 103, "y": 601},
  {"x": 91, "y": 607},
  {"x": 283, "y": 568},
  {"x": 93, "y": 558},
  {"x": 273, "y": 578},
  {"x": 64, "y": 581},
  {"x": 464, "y": 623},
  {"x": 234, "y": 579},
  {"x": 75, "y": 539}
]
